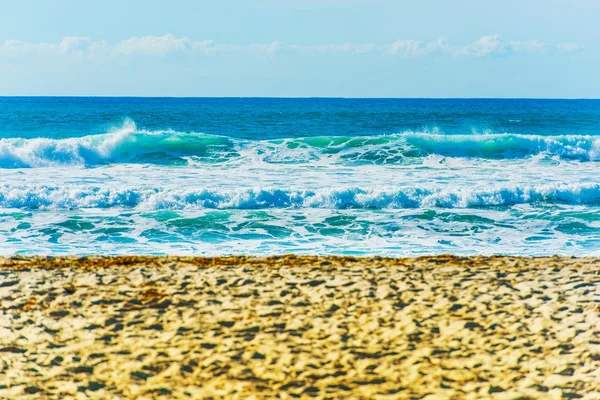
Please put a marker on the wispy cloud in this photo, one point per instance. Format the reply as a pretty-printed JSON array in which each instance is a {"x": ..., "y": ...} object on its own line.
[
  {"x": 488, "y": 45},
  {"x": 417, "y": 48},
  {"x": 160, "y": 46},
  {"x": 76, "y": 44},
  {"x": 347, "y": 47},
  {"x": 495, "y": 45},
  {"x": 270, "y": 49},
  {"x": 154, "y": 45}
]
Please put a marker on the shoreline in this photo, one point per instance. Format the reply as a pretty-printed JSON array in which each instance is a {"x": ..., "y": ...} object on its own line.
[
  {"x": 97, "y": 261},
  {"x": 300, "y": 326}
]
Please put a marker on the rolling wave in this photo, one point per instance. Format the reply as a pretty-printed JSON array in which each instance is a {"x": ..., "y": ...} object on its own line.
[
  {"x": 123, "y": 145},
  {"x": 78, "y": 197},
  {"x": 498, "y": 146},
  {"x": 127, "y": 144}
]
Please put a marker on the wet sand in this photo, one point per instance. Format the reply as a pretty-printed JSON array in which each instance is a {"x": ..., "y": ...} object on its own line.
[{"x": 300, "y": 327}]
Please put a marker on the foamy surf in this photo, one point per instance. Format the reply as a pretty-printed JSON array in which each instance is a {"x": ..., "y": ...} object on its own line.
[{"x": 82, "y": 197}]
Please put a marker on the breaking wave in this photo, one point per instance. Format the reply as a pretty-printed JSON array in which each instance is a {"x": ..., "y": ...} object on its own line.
[
  {"x": 78, "y": 197},
  {"x": 127, "y": 144},
  {"x": 123, "y": 145}
]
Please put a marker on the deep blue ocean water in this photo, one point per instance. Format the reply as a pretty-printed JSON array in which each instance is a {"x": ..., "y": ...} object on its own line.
[{"x": 314, "y": 176}]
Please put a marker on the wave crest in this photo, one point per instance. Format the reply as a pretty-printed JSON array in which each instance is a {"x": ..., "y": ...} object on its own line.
[
  {"x": 128, "y": 144},
  {"x": 78, "y": 197},
  {"x": 583, "y": 148},
  {"x": 122, "y": 145}
]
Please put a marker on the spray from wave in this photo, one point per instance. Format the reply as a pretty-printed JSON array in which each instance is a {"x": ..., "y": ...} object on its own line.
[{"x": 128, "y": 144}]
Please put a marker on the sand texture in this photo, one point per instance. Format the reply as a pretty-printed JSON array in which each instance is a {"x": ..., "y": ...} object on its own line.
[{"x": 300, "y": 327}]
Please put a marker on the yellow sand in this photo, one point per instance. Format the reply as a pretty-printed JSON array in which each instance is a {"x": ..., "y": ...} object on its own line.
[{"x": 300, "y": 327}]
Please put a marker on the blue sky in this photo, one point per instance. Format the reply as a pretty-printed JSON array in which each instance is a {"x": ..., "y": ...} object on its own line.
[{"x": 347, "y": 48}]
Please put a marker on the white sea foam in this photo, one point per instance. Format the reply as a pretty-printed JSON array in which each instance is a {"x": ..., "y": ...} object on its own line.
[{"x": 79, "y": 196}]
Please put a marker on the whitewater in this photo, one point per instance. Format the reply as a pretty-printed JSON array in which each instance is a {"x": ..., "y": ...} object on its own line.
[{"x": 310, "y": 176}]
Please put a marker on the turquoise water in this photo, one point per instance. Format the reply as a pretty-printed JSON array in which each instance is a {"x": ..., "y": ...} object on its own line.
[{"x": 313, "y": 176}]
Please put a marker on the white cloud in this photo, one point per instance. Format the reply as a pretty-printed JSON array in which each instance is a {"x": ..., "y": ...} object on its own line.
[
  {"x": 148, "y": 45},
  {"x": 530, "y": 46},
  {"x": 407, "y": 46},
  {"x": 415, "y": 47},
  {"x": 154, "y": 45},
  {"x": 569, "y": 47},
  {"x": 160, "y": 46},
  {"x": 210, "y": 47},
  {"x": 484, "y": 46},
  {"x": 338, "y": 48},
  {"x": 75, "y": 43},
  {"x": 495, "y": 45},
  {"x": 270, "y": 49},
  {"x": 19, "y": 46},
  {"x": 14, "y": 46}
]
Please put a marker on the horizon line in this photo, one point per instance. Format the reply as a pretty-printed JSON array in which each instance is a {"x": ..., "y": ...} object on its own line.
[{"x": 294, "y": 97}]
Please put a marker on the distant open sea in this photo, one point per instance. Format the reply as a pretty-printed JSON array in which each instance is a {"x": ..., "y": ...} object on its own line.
[{"x": 258, "y": 176}]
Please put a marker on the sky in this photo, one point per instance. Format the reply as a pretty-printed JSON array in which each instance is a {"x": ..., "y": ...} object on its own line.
[{"x": 301, "y": 48}]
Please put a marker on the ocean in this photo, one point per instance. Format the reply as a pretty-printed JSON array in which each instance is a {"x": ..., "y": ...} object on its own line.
[{"x": 259, "y": 176}]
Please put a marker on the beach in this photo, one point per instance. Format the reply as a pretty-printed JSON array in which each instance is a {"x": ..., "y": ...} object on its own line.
[{"x": 440, "y": 327}]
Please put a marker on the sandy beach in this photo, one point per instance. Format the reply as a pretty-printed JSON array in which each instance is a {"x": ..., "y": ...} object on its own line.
[{"x": 298, "y": 327}]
